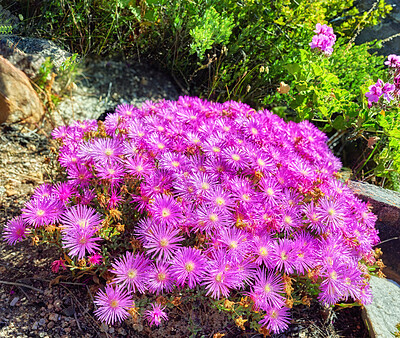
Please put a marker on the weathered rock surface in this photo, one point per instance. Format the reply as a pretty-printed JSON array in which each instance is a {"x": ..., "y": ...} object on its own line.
[
  {"x": 386, "y": 206},
  {"x": 28, "y": 54},
  {"x": 383, "y": 314},
  {"x": 19, "y": 103},
  {"x": 387, "y": 28}
]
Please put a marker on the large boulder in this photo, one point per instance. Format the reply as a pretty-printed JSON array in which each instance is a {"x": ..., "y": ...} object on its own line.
[
  {"x": 29, "y": 54},
  {"x": 19, "y": 103}
]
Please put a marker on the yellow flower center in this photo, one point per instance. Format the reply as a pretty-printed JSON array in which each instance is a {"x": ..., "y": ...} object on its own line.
[
  {"x": 114, "y": 303},
  {"x": 263, "y": 251},
  {"x": 161, "y": 276},
  {"x": 164, "y": 242},
  {"x": 284, "y": 256},
  {"x": 111, "y": 171},
  {"x": 40, "y": 212},
  {"x": 254, "y": 131},
  {"x": 267, "y": 288},
  {"x": 274, "y": 314},
  {"x": 165, "y": 212},
  {"x": 235, "y": 157},
  {"x": 261, "y": 162},
  {"x": 205, "y": 186},
  {"x": 175, "y": 164},
  {"x": 331, "y": 212},
  {"x": 270, "y": 191},
  {"x": 139, "y": 168},
  {"x": 213, "y": 217},
  {"x": 74, "y": 159},
  {"x": 160, "y": 128},
  {"x": 288, "y": 220},
  {"x": 216, "y": 149},
  {"x": 246, "y": 197},
  {"x": 233, "y": 245},
  {"x": 83, "y": 240},
  {"x": 109, "y": 152},
  {"x": 132, "y": 273},
  {"x": 220, "y": 201},
  {"x": 160, "y": 146},
  {"x": 83, "y": 223},
  {"x": 218, "y": 277},
  {"x": 189, "y": 266}
]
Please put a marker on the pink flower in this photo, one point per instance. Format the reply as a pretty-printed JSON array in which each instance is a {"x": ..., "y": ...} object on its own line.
[
  {"x": 393, "y": 61},
  {"x": 113, "y": 304},
  {"x": 156, "y": 314},
  {"x": 95, "y": 259},
  {"x": 55, "y": 266},
  {"x": 15, "y": 230},
  {"x": 132, "y": 271}
]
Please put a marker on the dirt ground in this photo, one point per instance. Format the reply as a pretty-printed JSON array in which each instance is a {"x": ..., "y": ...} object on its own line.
[{"x": 33, "y": 303}]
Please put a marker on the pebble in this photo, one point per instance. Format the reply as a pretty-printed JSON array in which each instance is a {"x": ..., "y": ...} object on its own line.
[
  {"x": 122, "y": 331},
  {"x": 50, "y": 325},
  {"x": 14, "y": 301},
  {"x": 111, "y": 330},
  {"x": 53, "y": 317},
  {"x": 35, "y": 325},
  {"x": 42, "y": 321}
]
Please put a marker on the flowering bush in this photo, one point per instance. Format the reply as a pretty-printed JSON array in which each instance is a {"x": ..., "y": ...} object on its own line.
[{"x": 192, "y": 194}]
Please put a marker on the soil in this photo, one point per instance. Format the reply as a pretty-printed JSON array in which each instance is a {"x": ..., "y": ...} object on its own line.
[{"x": 35, "y": 302}]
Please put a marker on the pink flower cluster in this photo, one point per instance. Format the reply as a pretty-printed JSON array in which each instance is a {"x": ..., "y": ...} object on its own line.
[
  {"x": 232, "y": 199},
  {"x": 390, "y": 91},
  {"x": 380, "y": 89},
  {"x": 324, "y": 39}
]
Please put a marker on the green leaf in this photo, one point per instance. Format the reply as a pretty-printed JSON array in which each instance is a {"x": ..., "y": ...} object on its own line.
[
  {"x": 317, "y": 69},
  {"x": 280, "y": 111},
  {"x": 338, "y": 123},
  {"x": 301, "y": 86},
  {"x": 297, "y": 102},
  {"x": 331, "y": 78},
  {"x": 303, "y": 55},
  {"x": 293, "y": 68}
]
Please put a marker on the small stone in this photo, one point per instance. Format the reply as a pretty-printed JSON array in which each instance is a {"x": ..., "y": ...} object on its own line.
[
  {"x": 68, "y": 329},
  {"x": 103, "y": 327},
  {"x": 122, "y": 331},
  {"x": 69, "y": 311},
  {"x": 11, "y": 192},
  {"x": 14, "y": 301},
  {"x": 42, "y": 334},
  {"x": 35, "y": 325},
  {"x": 50, "y": 325},
  {"x": 53, "y": 317},
  {"x": 111, "y": 330},
  {"x": 42, "y": 321}
]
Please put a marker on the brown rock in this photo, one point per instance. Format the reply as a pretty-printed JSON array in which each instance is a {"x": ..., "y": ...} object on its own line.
[{"x": 19, "y": 103}]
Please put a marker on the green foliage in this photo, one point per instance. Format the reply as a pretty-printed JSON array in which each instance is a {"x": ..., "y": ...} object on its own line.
[{"x": 210, "y": 29}]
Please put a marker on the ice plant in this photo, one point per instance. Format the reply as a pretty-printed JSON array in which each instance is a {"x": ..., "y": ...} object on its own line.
[{"x": 213, "y": 196}]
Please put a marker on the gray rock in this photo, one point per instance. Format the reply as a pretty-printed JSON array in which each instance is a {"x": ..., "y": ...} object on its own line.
[
  {"x": 35, "y": 325},
  {"x": 28, "y": 54},
  {"x": 14, "y": 301},
  {"x": 383, "y": 314},
  {"x": 385, "y": 30}
]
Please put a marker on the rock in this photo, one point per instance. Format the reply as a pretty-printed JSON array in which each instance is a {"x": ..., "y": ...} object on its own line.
[
  {"x": 29, "y": 54},
  {"x": 19, "y": 103},
  {"x": 69, "y": 311},
  {"x": 14, "y": 301},
  {"x": 53, "y": 317},
  {"x": 111, "y": 330},
  {"x": 42, "y": 321},
  {"x": 35, "y": 325},
  {"x": 383, "y": 314}
]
